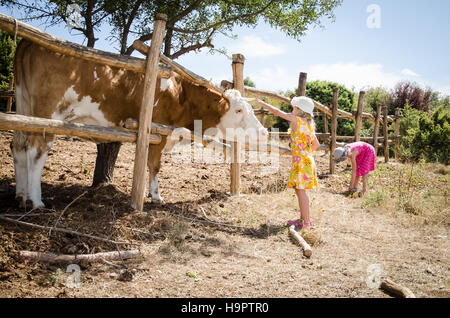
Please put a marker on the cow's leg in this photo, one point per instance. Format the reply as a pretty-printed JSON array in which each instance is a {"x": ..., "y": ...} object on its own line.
[
  {"x": 19, "y": 150},
  {"x": 154, "y": 164},
  {"x": 30, "y": 153},
  {"x": 104, "y": 165}
]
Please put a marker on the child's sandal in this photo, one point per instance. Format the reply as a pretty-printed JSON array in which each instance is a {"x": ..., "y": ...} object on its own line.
[{"x": 297, "y": 223}]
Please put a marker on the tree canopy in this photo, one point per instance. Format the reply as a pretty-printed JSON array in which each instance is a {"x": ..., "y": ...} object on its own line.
[{"x": 191, "y": 25}]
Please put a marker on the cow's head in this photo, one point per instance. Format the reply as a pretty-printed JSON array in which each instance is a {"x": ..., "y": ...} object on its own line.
[{"x": 240, "y": 120}]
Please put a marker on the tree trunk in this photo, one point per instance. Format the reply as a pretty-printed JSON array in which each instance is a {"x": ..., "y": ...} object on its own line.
[{"x": 104, "y": 165}]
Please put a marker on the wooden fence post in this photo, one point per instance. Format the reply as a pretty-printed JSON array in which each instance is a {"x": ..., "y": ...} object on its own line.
[
  {"x": 358, "y": 115},
  {"x": 334, "y": 124},
  {"x": 145, "y": 116},
  {"x": 238, "y": 83},
  {"x": 325, "y": 122},
  {"x": 397, "y": 132},
  {"x": 385, "y": 134},
  {"x": 10, "y": 99},
  {"x": 302, "y": 84},
  {"x": 376, "y": 128}
]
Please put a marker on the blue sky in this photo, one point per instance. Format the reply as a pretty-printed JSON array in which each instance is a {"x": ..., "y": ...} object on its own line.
[{"x": 411, "y": 43}]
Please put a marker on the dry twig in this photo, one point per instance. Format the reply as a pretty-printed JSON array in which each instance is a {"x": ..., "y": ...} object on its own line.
[{"x": 64, "y": 231}]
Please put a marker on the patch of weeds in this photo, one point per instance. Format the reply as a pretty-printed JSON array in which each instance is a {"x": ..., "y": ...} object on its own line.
[
  {"x": 55, "y": 277},
  {"x": 374, "y": 199},
  {"x": 83, "y": 168},
  {"x": 221, "y": 210},
  {"x": 193, "y": 275},
  {"x": 411, "y": 208}
]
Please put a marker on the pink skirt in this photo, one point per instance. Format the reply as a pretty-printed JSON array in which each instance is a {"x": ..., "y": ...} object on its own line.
[{"x": 366, "y": 158}]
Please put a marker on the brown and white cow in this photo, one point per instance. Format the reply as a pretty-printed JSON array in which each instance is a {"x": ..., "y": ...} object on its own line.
[{"x": 51, "y": 85}]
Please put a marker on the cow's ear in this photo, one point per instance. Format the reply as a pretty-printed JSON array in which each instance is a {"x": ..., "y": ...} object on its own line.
[
  {"x": 217, "y": 95},
  {"x": 181, "y": 94},
  {"x": 223, "y": 106}
]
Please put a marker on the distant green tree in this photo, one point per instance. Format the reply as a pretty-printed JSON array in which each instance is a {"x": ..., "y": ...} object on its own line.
[
  {"x": 248, "y": 82},
  {"x": 374, "y": 97},
  {"x": 322, "y": 91},
  {"x": 7, "y": 50},
  {"x": 426, "y": 136}
]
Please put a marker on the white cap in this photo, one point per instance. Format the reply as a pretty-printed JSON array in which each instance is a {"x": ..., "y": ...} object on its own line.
[{"x": 305, "y": 104}]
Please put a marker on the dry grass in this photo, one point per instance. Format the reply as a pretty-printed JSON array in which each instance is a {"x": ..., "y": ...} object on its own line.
[{"x": 204, "y": 243}]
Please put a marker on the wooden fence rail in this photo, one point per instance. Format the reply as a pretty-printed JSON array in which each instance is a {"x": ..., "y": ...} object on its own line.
[{"x": 61, "y": 46}]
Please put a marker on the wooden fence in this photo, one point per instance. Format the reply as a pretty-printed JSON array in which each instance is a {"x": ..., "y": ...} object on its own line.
[
  {"x": 155, "y": 66},
  {"x": 333, "y": 113}
]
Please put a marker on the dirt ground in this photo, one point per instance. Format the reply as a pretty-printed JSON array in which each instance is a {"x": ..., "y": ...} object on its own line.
[{"x": 205, "y": 243}]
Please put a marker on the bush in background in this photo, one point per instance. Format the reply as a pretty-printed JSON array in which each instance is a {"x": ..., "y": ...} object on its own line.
[{"x": 426, "y": 136}]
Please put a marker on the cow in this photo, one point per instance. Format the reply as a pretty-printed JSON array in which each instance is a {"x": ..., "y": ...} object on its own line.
[{"x": 56, "y": 86}]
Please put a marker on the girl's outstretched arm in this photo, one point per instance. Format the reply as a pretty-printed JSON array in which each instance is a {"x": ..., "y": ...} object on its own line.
[
  {"x": 277, "y": 112},
  {"x": 315, "y": 143}
]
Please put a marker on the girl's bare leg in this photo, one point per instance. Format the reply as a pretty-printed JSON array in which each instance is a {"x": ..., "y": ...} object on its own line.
[
  {"x": 364, "y": 182},
  {"x": 303, "y": 203},
  {"x": 354, "y": 186}
]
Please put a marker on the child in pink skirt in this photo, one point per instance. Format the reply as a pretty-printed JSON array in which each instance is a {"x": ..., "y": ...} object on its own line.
[{"x": 362, "y": 156}]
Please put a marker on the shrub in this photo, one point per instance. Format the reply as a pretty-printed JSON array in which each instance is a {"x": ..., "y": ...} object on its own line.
[{"x": 425, "y": 136}]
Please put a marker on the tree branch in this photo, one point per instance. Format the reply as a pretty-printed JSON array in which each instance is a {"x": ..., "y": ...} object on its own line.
[
  {"x": 185, "y": 12},
  {"x": 215, "y": 25}
]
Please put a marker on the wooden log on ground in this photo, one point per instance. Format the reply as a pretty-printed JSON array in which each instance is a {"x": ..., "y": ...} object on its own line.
[
  {"x": 59, "y": 127},
  {"x": 307, "y": 251},
  {"x": 55, "y": 44},
  {"x": 396, "y": 289},
  {"x": 146, "y": 113},
  {"x": 57, "y": 229},
  {"x": 74, "y": 259}
]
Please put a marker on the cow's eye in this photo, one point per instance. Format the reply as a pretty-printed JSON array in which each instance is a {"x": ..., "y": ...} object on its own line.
[{"x": 238, "y": 111}]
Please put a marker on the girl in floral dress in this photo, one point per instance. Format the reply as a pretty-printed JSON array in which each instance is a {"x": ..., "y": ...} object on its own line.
[{"x": 303, "y": 174}]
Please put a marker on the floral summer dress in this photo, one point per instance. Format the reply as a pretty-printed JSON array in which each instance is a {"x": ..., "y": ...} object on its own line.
[{"x": 303, "y": 169}]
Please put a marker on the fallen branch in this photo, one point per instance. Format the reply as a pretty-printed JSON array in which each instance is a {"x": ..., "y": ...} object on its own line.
[
  {"x": 396, "y": 289},
  {"x": 307, "y": 251},
  {"x": 64, "y": 231},
  {"x": 73, "y": 259},
  {"x": 64, "y": 210}
]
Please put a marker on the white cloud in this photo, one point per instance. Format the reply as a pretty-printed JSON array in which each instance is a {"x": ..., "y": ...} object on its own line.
[
  {"x": 254, "y": 46},
  {"x": 274, "y": 79},
  {"x": 408, "y": 72},
  {"x": 354, "y": 75}
]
